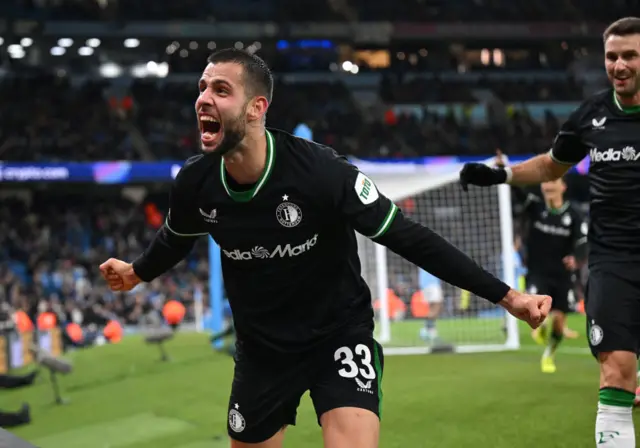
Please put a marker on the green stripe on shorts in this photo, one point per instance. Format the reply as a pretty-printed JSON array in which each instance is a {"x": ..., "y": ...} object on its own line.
[{"x": 378, "y": 367}]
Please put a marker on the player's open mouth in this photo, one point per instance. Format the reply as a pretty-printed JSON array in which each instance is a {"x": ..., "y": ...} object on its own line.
[
  {"x": 210, "y": 129},
  {"x": 621, "y": 79}
]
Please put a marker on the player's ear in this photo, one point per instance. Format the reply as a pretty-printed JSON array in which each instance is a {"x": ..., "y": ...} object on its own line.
[{"x": 257, "y": 108}]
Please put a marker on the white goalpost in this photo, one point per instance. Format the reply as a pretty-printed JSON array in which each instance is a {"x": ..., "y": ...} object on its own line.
[{"x": 479, "y": 222}]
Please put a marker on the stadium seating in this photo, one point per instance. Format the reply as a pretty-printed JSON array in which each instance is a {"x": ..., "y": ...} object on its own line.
[
  {"x": 46, "y": 118},
  {"x": 50, "y": 250},
  {"x": 322, "y": 10}
]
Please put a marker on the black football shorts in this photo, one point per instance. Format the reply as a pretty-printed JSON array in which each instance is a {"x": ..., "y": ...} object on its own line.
[
  {"x": 345, "y": 371},
  {"x": 558, "y": 289},
  {"x": 612, "y": 305}
]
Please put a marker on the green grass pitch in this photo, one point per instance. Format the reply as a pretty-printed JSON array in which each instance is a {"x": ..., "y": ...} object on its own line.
[{"x": 122, "y": 396}]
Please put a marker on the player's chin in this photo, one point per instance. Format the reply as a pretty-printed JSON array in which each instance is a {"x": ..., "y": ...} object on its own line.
[{"x": 624, "y": 86}]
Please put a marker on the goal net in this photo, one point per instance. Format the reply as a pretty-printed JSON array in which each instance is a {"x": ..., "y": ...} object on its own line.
[{"x": 479, "y": 222}]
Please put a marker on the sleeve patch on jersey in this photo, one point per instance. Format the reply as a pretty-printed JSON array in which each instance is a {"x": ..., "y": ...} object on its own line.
[{"x": 366, "y": 189}]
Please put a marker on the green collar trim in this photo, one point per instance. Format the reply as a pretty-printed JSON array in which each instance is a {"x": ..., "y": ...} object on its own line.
[
  {"x": 246, "y": 196},
  {"x": 625, "y": 109},
  {"x": 557, "y": 211}
]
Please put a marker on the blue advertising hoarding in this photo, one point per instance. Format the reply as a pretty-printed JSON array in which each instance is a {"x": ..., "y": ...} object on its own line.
[{"x": 123, "y": 172}]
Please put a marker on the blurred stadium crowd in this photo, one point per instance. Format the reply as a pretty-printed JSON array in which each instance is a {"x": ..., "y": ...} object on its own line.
[
  {"x": 52, "y": 244},
  {"x": 323, "y": 11},
  {"x": 464, "y": 96},
  {"x": 46, "y": 118}
]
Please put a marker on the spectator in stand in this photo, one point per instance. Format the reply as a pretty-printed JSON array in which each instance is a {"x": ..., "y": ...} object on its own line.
[
  {"x": 49, "y": 119},
  {"x": 48, "y": 259}
]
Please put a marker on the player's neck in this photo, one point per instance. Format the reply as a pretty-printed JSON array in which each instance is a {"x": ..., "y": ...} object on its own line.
[
  {"x": 627, "y": 102},
  {"x": 555, "y": 203},
  {"x": 246, "y": 163}
]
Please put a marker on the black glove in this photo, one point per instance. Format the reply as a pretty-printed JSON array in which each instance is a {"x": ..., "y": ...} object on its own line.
[{"x": 481, "y": 175}]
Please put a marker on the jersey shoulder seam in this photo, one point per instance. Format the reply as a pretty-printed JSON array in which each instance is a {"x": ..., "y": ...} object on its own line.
[
  {"x": 589, "y": 106},
  {"x": 597, "y": 101},
  {"x": 194, "y": 170}
]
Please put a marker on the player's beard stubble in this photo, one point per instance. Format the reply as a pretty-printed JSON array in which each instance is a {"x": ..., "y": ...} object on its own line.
[
  {"x": 631, "y": 88},
  {"x": 234, "y": 131}
]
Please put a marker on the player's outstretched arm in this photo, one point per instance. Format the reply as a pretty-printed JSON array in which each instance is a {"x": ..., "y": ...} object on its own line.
[
  {"x": 431, "y": 252},
  {"x": 536, "y": 170},
  {"x": 372, "y": 214},
  {"x": 171, "y": 244},
  {"x": 568, "y": 149},
  {"x": 165, "y": 251}
]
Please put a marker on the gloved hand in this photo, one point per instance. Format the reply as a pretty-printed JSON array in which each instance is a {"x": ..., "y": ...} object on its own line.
[{"x": 481, "y": 175}]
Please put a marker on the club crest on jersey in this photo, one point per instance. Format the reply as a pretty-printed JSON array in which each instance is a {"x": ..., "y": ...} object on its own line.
[
  {"x": 566, "y": 220},
  {"x": 288, "y": 214},
  {"x": 365, "y": 189}
]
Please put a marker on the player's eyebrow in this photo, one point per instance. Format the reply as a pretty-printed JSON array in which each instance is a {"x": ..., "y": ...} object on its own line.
[
  {"x": 626, "y": 52},
  {"x": 213, "y": 82}
]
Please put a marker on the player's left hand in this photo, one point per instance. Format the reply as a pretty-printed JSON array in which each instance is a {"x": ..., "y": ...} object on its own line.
[{"x": 531, "y": 308}]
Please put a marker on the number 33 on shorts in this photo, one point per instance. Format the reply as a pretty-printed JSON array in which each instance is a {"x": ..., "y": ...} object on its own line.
[
  {"x": 355, "y": 379},
  {"x": 351, "y": 369}
]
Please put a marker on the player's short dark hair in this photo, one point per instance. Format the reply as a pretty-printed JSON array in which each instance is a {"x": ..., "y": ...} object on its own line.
[
  {"x": 623, "y": 27},
  {"x": 257, "y": 75}
]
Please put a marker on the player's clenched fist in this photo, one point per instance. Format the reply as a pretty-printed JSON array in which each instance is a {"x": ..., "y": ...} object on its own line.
[
  {"x": 119, "y": 275},
  {"x": 531, "y": 308},
  {"x": 481, "y": 175}
]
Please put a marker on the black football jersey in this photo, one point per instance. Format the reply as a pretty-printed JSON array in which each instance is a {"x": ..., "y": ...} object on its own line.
[
  {"x": 289, "y": 256},
  {"x": 610, "y": 135},
  {"x": 553, "y": 234}
]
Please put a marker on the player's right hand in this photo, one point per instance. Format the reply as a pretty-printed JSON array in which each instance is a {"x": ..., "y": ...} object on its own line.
[
  {"x": 119, "y": 275},
  {"x": 481, "y": 175},
  {"x": 531, "y": 308}
]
